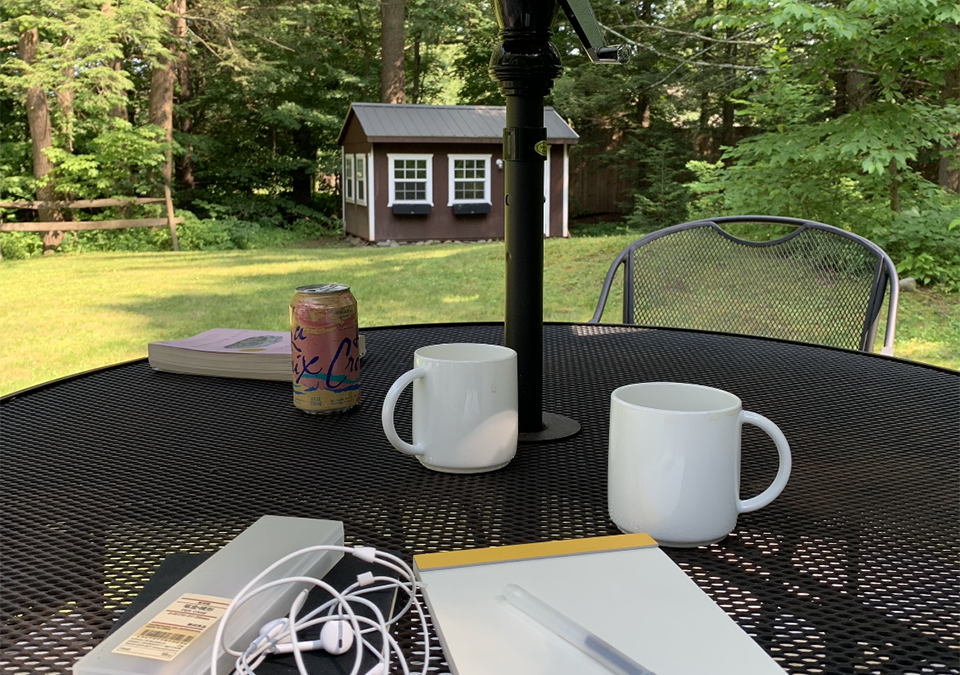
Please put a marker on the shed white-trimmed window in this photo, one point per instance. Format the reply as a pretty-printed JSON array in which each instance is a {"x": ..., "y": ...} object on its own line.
[
  {"x": 360, "y": 180},
  {"x": 411, "y": 179},
  {"x": 469, "y": 179},
  {"x": 348, "y": 163}
]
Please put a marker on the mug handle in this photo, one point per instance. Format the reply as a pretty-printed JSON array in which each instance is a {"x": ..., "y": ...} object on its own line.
[
  {"x": 390, "y": 403},
  {"x": 783, "y": 471}
]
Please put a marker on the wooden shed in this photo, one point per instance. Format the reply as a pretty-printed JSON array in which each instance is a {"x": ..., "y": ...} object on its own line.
[{"x": 419, "y": 172}]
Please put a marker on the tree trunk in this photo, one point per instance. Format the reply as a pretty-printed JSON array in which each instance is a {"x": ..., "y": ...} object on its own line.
[
  {"x": 646, "y": 11},
  {"x": 41, "y": 138},
  {"x": 949, "y": 170},
  {"x": 185, "y": 169},
  {"x": 894, "y": 186},
  {"x": 302, "y": 179},
  {"x": 161, "y": 93},
  {"x": 302, "y": 187},
  {"x": 119, "y": 111},
  {"x": 727, "y": 115},
  {"x": 391, "y": 52},
  {"x": 727, "y": 137},
  {"x": 703, "y": 124},
  {"x": 858, "y": 95},
  {"x": 839, "y": 94},
  {"x": 643, "y": 111},
  {"x": 643, "y": 101},
  {"x": 65, "y": 102},
  {"x": 366, "y": 44},
  {"x": 416, "y": 69},
  {"x": 858, "y": 91}
]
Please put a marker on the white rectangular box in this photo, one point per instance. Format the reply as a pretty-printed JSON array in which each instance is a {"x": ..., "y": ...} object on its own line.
[{"x": 223, "y": 576}]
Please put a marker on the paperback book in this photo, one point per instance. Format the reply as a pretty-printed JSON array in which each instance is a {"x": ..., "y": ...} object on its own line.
[{"x": 225, "y": 352}]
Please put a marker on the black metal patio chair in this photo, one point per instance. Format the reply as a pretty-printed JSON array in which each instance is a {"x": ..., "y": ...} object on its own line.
[{"x": 817, "y": 284}]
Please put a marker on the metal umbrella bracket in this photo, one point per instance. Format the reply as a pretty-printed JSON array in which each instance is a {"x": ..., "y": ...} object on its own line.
[{"x": 525, "y": 65}]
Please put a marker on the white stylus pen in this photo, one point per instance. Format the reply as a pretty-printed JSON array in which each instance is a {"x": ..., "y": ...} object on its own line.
[{"x": 599, "y": 650}]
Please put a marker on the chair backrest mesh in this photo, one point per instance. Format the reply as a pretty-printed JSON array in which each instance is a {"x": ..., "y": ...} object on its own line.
[{"x": 812, "y": 286}]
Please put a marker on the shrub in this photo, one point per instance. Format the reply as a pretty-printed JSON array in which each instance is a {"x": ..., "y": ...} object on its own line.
[
  {"x": 923, "y": 239},
  {"x": 214, "y": 234},
  {"x": 20, "y": 245},
  {"x": 924, "y": 243},
  {"x": 193, "y": 234}
]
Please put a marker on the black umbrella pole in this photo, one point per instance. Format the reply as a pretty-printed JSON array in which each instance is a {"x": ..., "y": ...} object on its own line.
[{"x": 524, "y": 150}]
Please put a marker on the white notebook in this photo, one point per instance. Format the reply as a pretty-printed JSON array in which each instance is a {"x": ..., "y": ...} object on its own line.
[{"x": 623, "y": 589}]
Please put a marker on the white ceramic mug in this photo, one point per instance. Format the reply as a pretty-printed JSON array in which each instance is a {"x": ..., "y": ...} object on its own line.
[
  {"x": 464, "y": 407},
  {"x": 674, "y": 462}
]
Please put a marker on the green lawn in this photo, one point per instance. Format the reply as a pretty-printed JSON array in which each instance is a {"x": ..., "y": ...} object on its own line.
[{"x": 65, "y": 314}]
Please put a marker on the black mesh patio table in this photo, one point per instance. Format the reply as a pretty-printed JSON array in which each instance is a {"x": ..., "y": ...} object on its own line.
[{"x": 854, "y": 568}]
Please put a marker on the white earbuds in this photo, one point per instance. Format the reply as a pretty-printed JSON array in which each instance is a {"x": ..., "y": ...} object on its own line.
[
  {"x": 342, "y": 627},
  {"x": 274, "y": 628},
  {"x": 336, "y": 637}
]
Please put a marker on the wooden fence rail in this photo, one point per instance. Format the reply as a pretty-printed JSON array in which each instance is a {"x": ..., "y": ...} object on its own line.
[
  {"x": 84, "y": 203},
  {"x": 71, "y": 225},
  {"x": 74, "y": 225}
]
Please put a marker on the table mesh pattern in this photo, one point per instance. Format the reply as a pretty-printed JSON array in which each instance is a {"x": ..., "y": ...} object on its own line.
[
  {"x": 853, "y": 568},
  {"x": 813, "y": 287}
]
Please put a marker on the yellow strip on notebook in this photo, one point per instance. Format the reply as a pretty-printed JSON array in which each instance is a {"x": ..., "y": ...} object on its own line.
[{"x": 544, "y": 549}]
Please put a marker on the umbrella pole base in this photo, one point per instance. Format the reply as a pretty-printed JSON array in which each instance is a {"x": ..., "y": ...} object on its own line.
[{"x": 555, "y": 427}]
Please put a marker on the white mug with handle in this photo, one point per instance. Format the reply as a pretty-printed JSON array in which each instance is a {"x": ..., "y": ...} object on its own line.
[
  {"x": 674, "y": 462},
  {"x": 464, "y": 407}
]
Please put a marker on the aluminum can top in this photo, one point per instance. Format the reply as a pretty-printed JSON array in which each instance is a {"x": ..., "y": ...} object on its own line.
[{"x": 323, "y": 289}]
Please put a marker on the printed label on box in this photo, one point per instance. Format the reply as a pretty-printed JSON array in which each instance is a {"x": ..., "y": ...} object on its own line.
[{"x": 175, "y": 628}]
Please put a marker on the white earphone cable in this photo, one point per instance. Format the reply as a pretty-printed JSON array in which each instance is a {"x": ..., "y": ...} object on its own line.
[{"x": 283, "y": 632}]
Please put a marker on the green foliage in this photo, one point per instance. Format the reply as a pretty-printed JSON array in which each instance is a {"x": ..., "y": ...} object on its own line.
[
  {"x": 20, "y": 245},
  {"x": 602, "y": 229},
  {"x": 78, "y": 45},
  {"x": 849, "y": 168},
  {"x": 220, "y": 233},
  {"x": 122, "y": 160},
  {"x": 478, "y": 35},
  {"x": 277, "y": 82},
  {"x": 16, "y": 172},
  {"x": 923, "y": 239},
  {"x": 659, "y": 160},
  {"x": 925, "y": 243},
  {"x": 269, "y": 85},
  {"x": 138, "y": 239},
  {"x": 831, "y": 193},
  {"x": 17, "y": 185},
  {"x": 651, "y": 113},
  {"x": 213, "y": 234},
  {"x": 434, "y": 31}
]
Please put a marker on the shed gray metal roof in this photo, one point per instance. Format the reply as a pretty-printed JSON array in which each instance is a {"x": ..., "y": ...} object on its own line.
[{"x": 395, "y": 123}]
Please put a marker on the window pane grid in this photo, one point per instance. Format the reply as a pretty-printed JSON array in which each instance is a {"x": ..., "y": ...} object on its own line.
[
  {"x": 348, "y": 176},
  {"x": 410, "y": 180},
  {"x": 468, "y": 190},
  {"x": 469, "y": 178},
  {"x": 411, "y": 191},
  {"x": 361, "y": 164}
]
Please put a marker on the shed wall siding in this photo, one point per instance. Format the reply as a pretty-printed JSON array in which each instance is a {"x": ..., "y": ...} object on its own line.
[
  {"x": 356, "y": 218},
  {"x": 556, "y": 190},
  {"x": 440, "y": 224}
]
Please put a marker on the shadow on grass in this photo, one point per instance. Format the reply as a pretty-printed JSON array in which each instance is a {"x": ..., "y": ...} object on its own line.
[
  {"x": 153, "y": 262},
  {"x": 391, "y": 286}
]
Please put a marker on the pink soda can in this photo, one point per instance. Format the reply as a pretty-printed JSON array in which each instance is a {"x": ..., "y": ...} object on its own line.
[{"x": 325, "y": 347}]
